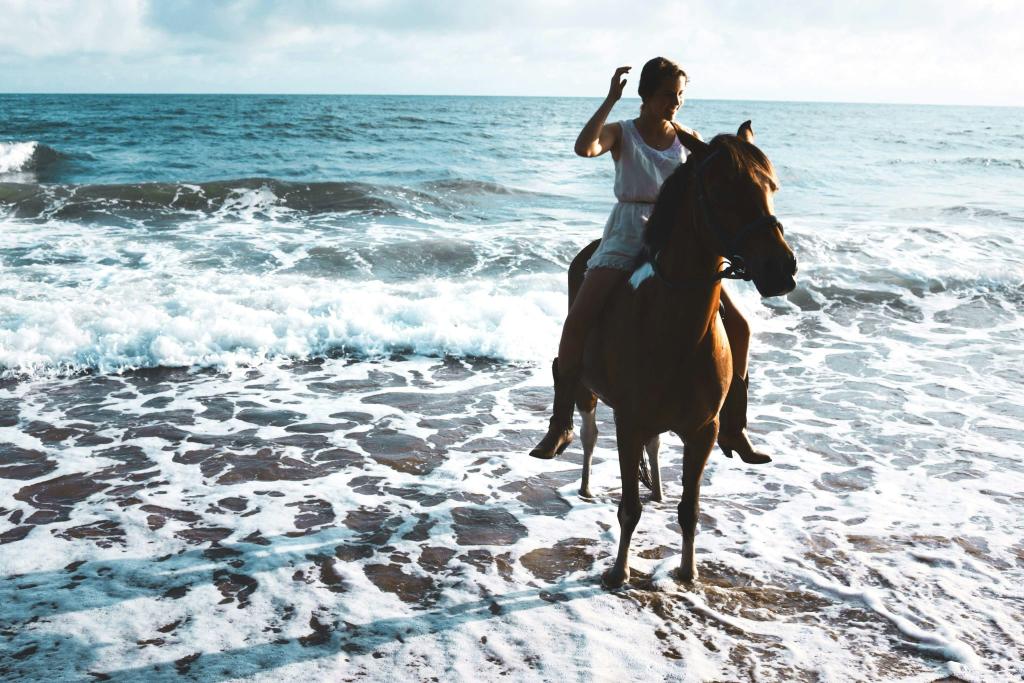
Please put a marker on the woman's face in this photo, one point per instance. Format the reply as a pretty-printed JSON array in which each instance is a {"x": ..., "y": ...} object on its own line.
[{"x": 666, "y": 100}]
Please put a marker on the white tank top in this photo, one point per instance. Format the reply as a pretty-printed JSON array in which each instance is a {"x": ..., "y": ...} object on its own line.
[{"x": 640, "y": 169}]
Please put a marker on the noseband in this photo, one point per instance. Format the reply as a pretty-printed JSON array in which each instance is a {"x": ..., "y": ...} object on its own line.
[{"x": 736, "y": 269}]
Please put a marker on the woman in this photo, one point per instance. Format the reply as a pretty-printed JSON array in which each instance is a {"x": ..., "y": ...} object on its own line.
[{"x": 646, "y": 151}]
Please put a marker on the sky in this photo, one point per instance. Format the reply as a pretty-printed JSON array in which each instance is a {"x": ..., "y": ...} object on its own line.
[{"x": 916, "y": 51}]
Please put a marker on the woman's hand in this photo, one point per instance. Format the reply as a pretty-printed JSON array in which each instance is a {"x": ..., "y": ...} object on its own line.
[
  {"x": 618, "y": 83},
  {"x": 596, "y": 138}
]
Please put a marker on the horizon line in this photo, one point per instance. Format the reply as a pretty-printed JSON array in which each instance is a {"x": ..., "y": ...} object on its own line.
[{"x": 578, "y": 97}]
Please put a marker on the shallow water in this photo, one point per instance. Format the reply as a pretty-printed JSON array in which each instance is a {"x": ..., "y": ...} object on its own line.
[{"x": 317, "y": 468}]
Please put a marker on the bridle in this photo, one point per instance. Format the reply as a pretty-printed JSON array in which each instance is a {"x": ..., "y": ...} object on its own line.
[{"x": 735, "y": 269}]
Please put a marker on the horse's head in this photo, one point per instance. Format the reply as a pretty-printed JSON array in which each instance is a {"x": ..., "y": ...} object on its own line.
[{"x": 734, "y": 183}]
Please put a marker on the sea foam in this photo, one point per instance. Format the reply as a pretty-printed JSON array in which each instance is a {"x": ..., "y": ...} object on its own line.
[
  {"x": 229, "y": 320},
  {"x": 16, "y": 156}
]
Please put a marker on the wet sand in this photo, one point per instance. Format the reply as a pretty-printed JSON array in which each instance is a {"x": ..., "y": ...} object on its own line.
[{"x": 347, "y": 518}]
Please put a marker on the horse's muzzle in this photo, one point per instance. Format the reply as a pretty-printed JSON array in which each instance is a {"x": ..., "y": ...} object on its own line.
[{"x": 776, "y": 277}]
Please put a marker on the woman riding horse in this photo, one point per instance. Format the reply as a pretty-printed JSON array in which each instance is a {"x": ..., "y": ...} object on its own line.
[
  {"x": 646, "y": 151},
  {"x": 659, "y": 355}
]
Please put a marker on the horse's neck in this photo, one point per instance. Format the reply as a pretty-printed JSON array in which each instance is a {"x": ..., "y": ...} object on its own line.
[{"x": 690, "y": 309}]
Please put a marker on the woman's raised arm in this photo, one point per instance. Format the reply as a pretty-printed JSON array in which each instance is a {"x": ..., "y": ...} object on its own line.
[{"x": 596, "y": 138}]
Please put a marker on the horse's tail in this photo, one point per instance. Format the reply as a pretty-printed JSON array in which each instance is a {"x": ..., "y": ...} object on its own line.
[{"x": 645, "y": 471}]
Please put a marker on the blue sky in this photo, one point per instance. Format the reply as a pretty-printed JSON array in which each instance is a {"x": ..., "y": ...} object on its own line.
[{"x": 866, "y": 51}]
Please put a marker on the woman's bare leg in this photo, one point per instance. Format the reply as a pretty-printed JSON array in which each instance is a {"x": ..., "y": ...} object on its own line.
[
  {"x": 589, "y": 301},
  {"x": 588, "y": 304},
  {"x": 738, "y": 330},
  {"x": 732, "y": 435}
]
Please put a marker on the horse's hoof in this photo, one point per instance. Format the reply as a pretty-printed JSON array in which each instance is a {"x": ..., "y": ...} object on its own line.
[
  {"x": 585, "y": 493},
  {"x": 755, "y": 458},
  {"x": 657, "y": 498},
  {"x": 553, "y": 444},
  {"x": 687, "y": 574},
  {"x": 613, "y": 578}
]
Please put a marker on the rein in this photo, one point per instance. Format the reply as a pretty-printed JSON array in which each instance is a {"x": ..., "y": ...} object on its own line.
[{"x": 735, "y": 269}]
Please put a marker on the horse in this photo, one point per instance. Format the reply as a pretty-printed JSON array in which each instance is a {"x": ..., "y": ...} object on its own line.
[{"x": 659, "y": 355}]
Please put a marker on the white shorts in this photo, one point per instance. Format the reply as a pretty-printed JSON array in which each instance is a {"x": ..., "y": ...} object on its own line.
[{"x": 623, "y": 238}]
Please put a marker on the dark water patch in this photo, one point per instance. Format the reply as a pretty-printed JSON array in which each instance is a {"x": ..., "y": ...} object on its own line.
[
  {"x": 375, "y": 379},
  {"x": 200, "y": 535},
  {"x": 166, "y": 432},
  {"x": 373, "y": 525},
  {"x": 484, "y": 560},
  {"x": 269, "y": 417},
  {"x": 243, "y": 457},
  {"x": 313, "y": 512},
  {"x": 233, "y": 503},
  {"x": 234, "y": 587},
  {"x": 540, "y": 494},
  {"x": 494, "y": 526},
  {"x": 565, "y": 557},
  {"x": 327, "y": 573},
  {"x": 857, "y": 479},
  {"x": 307, "y": 442},
  {"x": 439, "y": 256},
  {"x": 392, "y": 578},
  {"x": 159, "y": 201},
  {"x": 218, "y": 409},
  {"x": 337, "y": 459},
  {"x": 86, "y": 391},
  {"x": 456, "y": 431},
  {"x": 54, "y": 499},
  {"x": 421, "y": 530},
  {"x": 23, "y": 463},
  {"x": 418, "y": 495},
  {"x": 434, "y": 404},
  {"x": 105, "y": 533},
  {"x": 435, "y": 558},
  {"x": 319, "y": 427},
  {"x": 15, "y": 534},
  {"x": 401, "y": 452},
  {"x": 159, "y": 515},
  {"x": 158, "y": 402},
  {"x": 9, "y": 412}
]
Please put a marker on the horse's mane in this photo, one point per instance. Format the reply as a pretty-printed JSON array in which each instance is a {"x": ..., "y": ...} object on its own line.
[{"x": 745, "y": 162}]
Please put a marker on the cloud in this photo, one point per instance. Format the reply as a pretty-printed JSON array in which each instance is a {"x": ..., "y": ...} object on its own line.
[
  {"x": 873, "y": 50},
  {"x": 65, "y": 27}
]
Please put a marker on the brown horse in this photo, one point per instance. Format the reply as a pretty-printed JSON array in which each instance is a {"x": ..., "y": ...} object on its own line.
[{"x": 659, "y": 356}]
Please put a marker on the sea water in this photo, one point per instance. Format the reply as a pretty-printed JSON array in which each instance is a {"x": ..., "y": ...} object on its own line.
[{"x": 272, "y": 364}]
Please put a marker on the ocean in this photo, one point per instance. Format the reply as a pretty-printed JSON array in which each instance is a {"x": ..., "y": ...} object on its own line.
[{"x": 271, "y": 366}]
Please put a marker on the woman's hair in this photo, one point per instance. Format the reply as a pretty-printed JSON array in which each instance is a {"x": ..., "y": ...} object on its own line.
[{"x": 656, "y": 72}]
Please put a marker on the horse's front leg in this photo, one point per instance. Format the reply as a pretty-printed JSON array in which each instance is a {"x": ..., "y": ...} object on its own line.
[
  {"x": 631, "y": 447},
  {"x": 697, "y": 448}
]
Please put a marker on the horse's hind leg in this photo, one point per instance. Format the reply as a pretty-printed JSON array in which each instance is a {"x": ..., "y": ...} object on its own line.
[
  {"x": 630, "y": 451},
  {"x": 588, "y": 434},
  {"x": 697, "y": 448},
  {"x": 652, "y": 446},
  {"x": 586, "y": 403}
]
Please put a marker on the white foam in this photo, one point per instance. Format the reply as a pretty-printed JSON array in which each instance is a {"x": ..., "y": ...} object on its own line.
[
  {"x": 16, "y": 156},
  {"x": 226, "y": 320}
]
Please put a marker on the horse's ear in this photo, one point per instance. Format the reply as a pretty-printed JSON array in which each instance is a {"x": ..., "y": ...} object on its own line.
[
  {"x": 745, "y": 133},
  {"x": 691, "y": 142}
]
